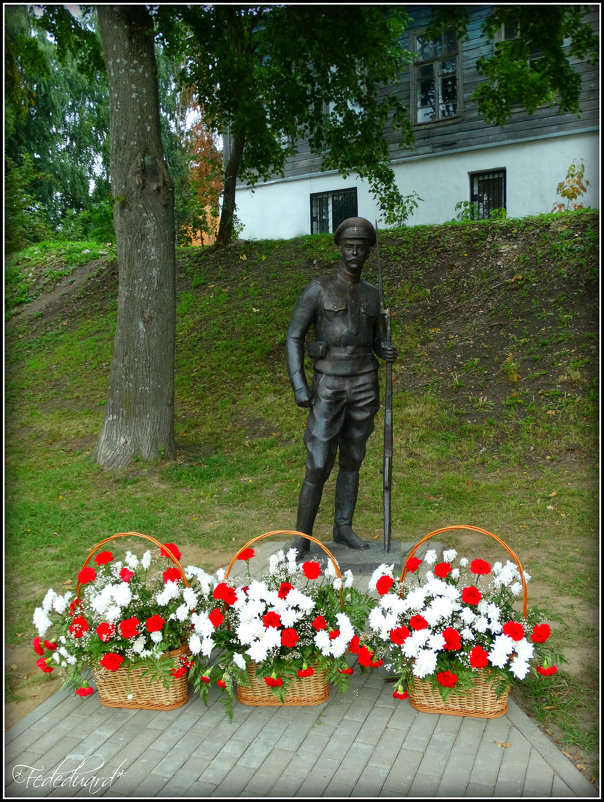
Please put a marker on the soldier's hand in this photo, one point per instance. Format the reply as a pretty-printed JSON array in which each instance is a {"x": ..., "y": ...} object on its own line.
[
  {"x": 390, "y": 352},
  {"x": 304, "y": 398}
]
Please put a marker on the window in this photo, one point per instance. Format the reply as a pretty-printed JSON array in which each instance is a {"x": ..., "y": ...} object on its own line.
[
  {"x": 328, "y": 209},
  {"x": 436, "y": 72},
  {"x": 487, "y": 192}
]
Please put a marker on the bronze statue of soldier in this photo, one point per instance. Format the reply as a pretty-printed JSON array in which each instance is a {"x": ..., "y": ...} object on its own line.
[{"x": 349, "y": 331}]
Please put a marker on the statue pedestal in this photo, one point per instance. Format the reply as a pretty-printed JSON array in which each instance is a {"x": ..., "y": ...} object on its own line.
[{"x": 365, "y": 561}]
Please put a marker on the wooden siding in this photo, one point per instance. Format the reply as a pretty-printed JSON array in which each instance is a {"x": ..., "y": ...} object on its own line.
[{"x": 469, "y": 130}]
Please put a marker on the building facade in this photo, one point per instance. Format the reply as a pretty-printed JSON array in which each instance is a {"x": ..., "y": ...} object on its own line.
[{"x": 457, "y": 157}]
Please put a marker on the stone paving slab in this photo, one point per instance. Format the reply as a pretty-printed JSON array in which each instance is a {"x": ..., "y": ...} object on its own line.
[{"x": 363, "y": 743}]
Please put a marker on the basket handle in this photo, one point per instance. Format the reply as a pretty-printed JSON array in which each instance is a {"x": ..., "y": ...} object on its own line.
[
  {"x": 132, "y": 534},
  {"x": 484, "y": 532},
  {"x": 289, "y": 532}
]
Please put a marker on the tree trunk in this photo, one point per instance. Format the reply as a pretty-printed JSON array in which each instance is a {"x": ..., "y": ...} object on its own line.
[
  {"x": 226, "y": 229},
  {"x": 139, "y": 417}
]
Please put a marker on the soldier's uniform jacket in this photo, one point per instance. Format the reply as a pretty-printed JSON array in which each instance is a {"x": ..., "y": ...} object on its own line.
[{"x": 348, "y": 325}]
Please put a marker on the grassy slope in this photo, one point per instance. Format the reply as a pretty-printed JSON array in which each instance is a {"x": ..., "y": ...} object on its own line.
[{"x": 495, "y": 413}]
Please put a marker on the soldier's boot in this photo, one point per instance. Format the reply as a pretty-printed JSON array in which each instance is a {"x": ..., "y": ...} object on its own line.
[
  {"x": 347, "y": 488},
  {"x": 308, "y": 506}
]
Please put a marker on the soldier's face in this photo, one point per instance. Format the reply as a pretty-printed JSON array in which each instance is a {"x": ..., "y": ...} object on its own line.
[{"x": 354, "y": 252}]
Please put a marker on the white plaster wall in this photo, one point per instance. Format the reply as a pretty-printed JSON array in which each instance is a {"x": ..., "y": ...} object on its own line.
[{"x": 281, "y": 209}]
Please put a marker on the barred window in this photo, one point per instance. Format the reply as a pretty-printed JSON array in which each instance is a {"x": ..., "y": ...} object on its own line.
[
  {"x": 487, "y": 192},
  {"x": 328, "y": 209}
]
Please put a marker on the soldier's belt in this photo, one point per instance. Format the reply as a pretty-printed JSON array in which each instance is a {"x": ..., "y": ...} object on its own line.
[{"x": 342, "y": 352}]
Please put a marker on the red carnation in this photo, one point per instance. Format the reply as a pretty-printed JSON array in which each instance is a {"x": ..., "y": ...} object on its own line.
[
  {"x": 174, "y": 550},
  {"x": 400, "y": 694},
  {"x": 284, "y": 589},
  {"x": 289, "y": 637},
  {"x": 452, "y": 639},
  {"x": 155, "y": 623},
  {"x": 86, "y": 575},
  {"x": 126, "y": 574},
  {"x": 271, "y": 619},
  {"x": 365, "y": 657},
  {"x": 221, "y": 683},
  {"x": 79, "y": 626},
  {"x": 319, "y": 623},
  {"x": 479, "y": 658},
  {"x": 354, "y": 644},
  {"x": 37, "y": 644},
  {"x": 399, "y": 635},
  {"x": 471, "y": 595},
  {"x": 418, "y": 622},
  {"x": 111, "y": 661},
  {"x": 84, "y": 692},
  {"x": 306, "y": 672},
  {"x": 412, "y": 564},
  {"x": 345, "y": 671},
  {"x": 128, "y": 627},
  {"x": 384, "y": 584},
  {"x": 50, "y": 646},
  {"x": 273, "y": 682},
  {"x": 311, "y": 569},
  {"x": 43, "y": 665},
  {"x": 224, "y": 592},
  {"x": 447, "y": 679},
  {"x": 480, "y": 567},
  {"x": 547, "y": 672},
  {"x": 442, "y": 570},
  {"x": 179, "y": 672},
  {"x": 334, "y": 633},
  {"x": 540, "y": 633},
  {"x": 513, "y": 630},
  {"x": 74, "y": 605},
  {"x": 204, "y": 678},
  {"x": 105, "y": 631},
  {"x": 216, "y": 617},
  {"x": 103, "y": 557},
  {"x": 246, "y": 554},
  {"x": 172, "y": 574}
]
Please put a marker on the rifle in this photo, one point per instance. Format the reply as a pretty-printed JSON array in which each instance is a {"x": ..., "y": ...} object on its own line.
[{"x": 387, "y": 466}]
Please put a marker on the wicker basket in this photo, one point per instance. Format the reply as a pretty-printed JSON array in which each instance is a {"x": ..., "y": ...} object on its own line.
[
  {"x": 303, "y": 691},
  {"x": 126, "y": 687},
  {"x": 479, "y": 701}
]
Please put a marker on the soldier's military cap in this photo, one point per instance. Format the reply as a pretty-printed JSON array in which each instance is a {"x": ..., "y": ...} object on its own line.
[{"x": 356, "y": 227}]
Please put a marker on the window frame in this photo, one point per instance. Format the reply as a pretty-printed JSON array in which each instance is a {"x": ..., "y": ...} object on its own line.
[
  {"x": 434, "y": 60},
  {"x": 329, "y": 194}
]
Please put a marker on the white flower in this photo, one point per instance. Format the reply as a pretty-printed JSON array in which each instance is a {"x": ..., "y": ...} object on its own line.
[
  {"x": 381, "y": 570},
  {"x": 436, "y": 641},
  {"x": 71, "y": 660},
  {"x": 220, "y": 574},
  {"x": 239, "y": 660},
  {"x": 113, "y": 613},
  {"x": 291, "y": 559},
  {"x": 430, "y": 557},
  {"x": 157, "y": 637},
  {"x": 41, "y": 621},
  {"x": 195, "y": 643},
  {"x": 467, "y": 615},
  {"x": 122, "y": 594},
  {"x": 60, "y": 603},
  {"x": 298, "y": 599},
  {"x": 463, "y": 561},
  {"x": 382, "y": 624},
  {"x": 415, "y": 599},
  {"x": 414, "y": 642},
  {"x": 205, "y": 580},
  {"x": 455, "y": 573},
  {"x": 274, "y": 561},
  {"x": 348, "y": 579},
  {"x": 170, "y": 591},
  {"x": 449, "y": 555},
  {"x": 516, "y": 588},
  {"x": 139, "y": 644},
  {"x": 337, "y": 583},
  {"x": 131, "y": 561},
  {"x": 146, "y": 560},
  {"x": 289, "y": 617},
  {"x": 524, "y": 649},
  {"x": 322, "y": 641},
  {"x": 102, "y": 600},
  {"x": 56, "y": 657},
  {"x": 207, "y": 645},
  {"x": 257, "y": 590},
  {"x": 330, "y": 570},
  {"x": 182, "y": 612},
  {"x": 519, "y": 668},
  {"x": 190, "y": 598},
  {"x": 467, "y": 634},
  {"x": 202, "y": 624},
  {"x": 48, "y": 600},
  {"x": 481, "y": 624},
  {"x": 425, "y": 663},
  {"x": 493, "y": 612},
  {"x": 438, "y": 609}
]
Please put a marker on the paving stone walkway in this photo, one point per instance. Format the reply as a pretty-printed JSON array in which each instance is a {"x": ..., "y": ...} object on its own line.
[{"x": 360, "y": 744}]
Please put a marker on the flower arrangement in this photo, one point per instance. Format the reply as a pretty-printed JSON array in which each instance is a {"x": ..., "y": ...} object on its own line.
[
  {"x": 128, "y": 613},
  {"x": 297, "y": 619},
  {"x": 449, "y": 620}
]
